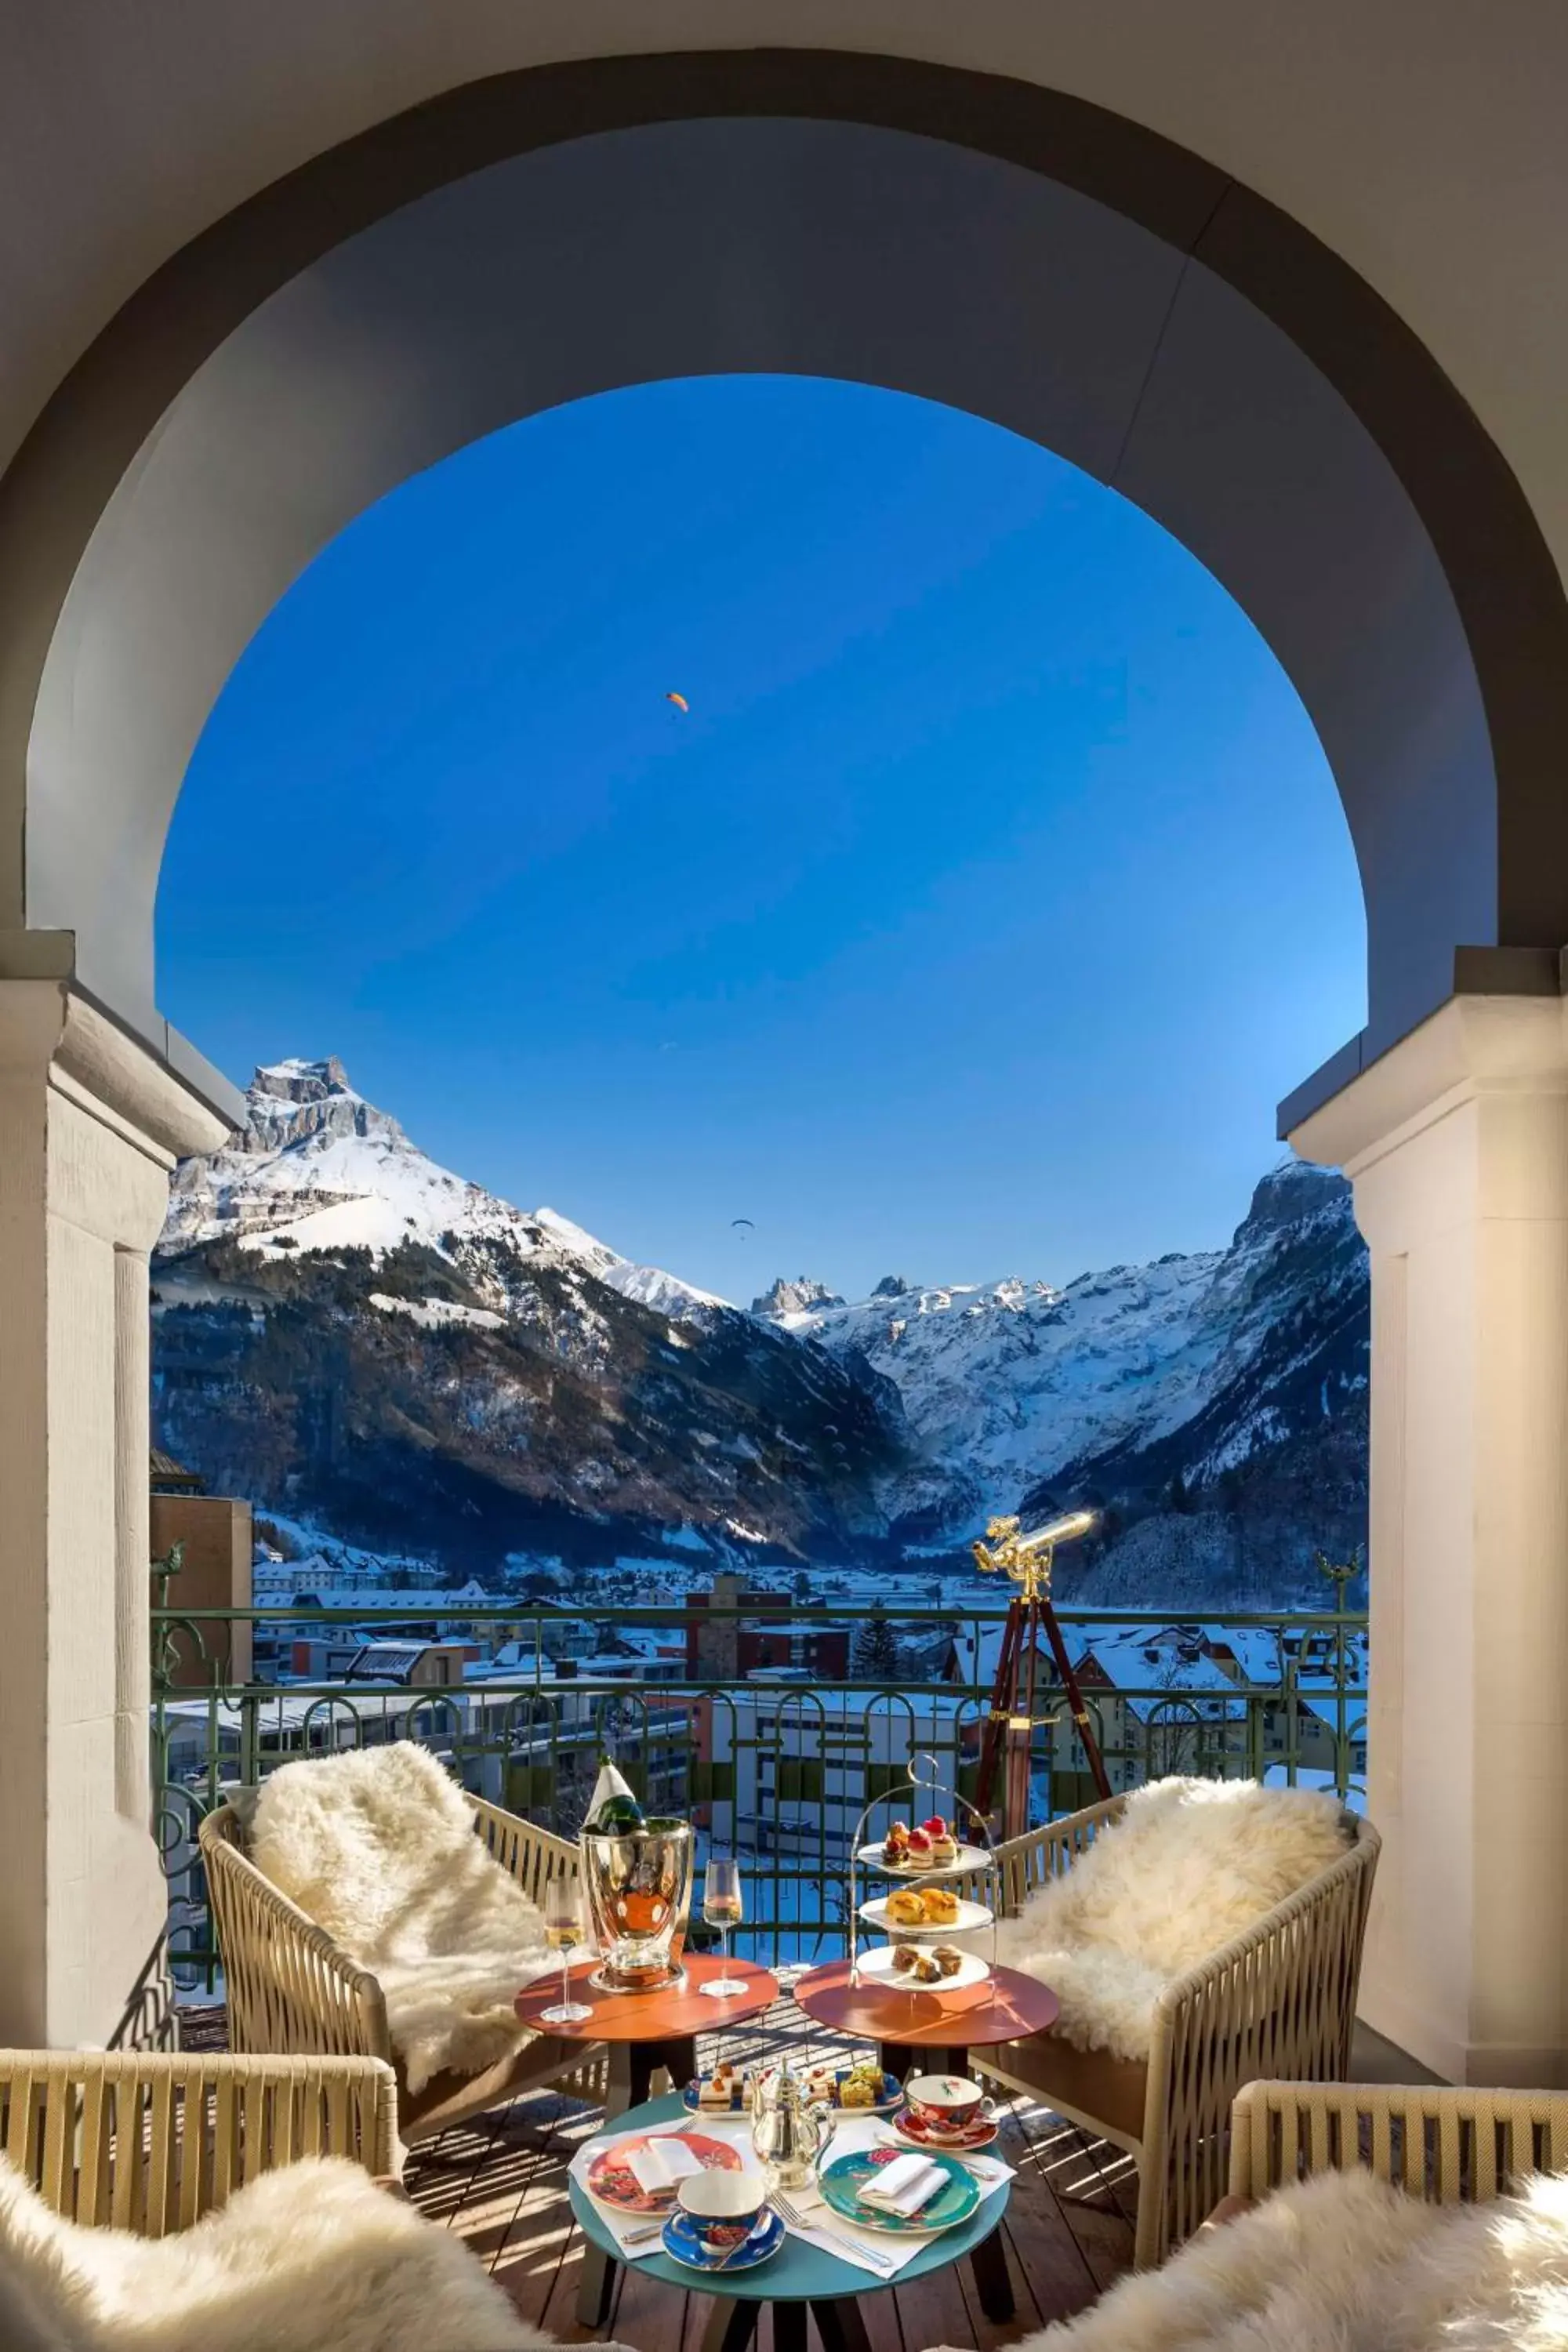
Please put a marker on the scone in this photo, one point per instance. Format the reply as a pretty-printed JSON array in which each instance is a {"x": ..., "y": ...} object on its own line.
[
  {"x": 941, "y": 1906},
  {"x": 906, "y": 1907}
]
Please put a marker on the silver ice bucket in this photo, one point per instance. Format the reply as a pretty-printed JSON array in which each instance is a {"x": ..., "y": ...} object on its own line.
[{"x": 639, "y": 1899}]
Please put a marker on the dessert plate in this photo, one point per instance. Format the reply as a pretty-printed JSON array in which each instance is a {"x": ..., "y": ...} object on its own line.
[
  {"x": 968, "y": 1858},
  {"x": 971, "y": 1915},
  {"x": 842, "y": 2180},
  {"x": 612, "y": 2182},
  {"x": 878, "y": 1968},
  {"x": 893, "y": 2096}
]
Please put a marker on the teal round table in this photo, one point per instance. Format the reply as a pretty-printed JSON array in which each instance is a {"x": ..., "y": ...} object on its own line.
[{"x": 800, "y": 2276}]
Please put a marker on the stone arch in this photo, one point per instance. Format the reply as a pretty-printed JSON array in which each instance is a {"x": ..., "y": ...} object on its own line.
[{"x": 525, "y": 240}]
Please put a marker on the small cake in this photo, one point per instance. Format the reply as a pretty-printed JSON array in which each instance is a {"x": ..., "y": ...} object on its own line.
[
  {"x": 940, "y": 1904},
  {"x": 904, "y": 1959},
  {"x": 943, "y": 1844},
  {"x": 925, "y": 1968},
  {"x": 917, "y": 1849},
  {"x": 896, "y": 1846},
  {"x": 725, "y": 2091},
  {"x": 907, "y": 1907},
  {"x": 948, "y": 1957},
  {"x": 861, "y": 2087}
]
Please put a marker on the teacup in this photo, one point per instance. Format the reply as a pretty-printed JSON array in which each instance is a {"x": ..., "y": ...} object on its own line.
[
  {"x": 723, "y": 2208},
  {"x": 947, "y": 2107}
]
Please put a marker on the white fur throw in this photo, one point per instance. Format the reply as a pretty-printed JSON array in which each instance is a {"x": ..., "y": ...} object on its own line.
[
  {"x": 1189, "y": 1864},
  {"x": 313, "y": 2258},
  {"x": 378, "y": 1846},
  {"x": 1344, "y": 2263}
]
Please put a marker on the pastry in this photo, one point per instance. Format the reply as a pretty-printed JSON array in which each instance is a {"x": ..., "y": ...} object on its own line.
[
  {"x": 917, "y": 1848},
  {"x": 943, "y": 1844},
  {"x": 940, "y": 1904},
  {"x": 906, "y": 1907},
  {"x": 726, "y": 2090},
  {"x": 904, "y": 1959},
  {"x": 896, "y": 1846},
  {"x": 948, "y": 1957},
  {"x": 925, "y": 1968}
]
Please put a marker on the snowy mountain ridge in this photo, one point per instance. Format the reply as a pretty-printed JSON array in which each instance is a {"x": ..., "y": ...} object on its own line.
[
  {"x": 318, "y": 1166},
  {"x": 344, "y": 1327},
  {"x": 1008, "y": 1385}
]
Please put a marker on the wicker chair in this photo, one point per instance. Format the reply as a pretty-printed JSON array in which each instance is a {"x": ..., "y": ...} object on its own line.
[
  {"x": 1449, "y": 2147},
  {"x": 1277, "y": 2000},
  {"x": 150, "y": 2143},
  {"x": 290, "y": 1988}
]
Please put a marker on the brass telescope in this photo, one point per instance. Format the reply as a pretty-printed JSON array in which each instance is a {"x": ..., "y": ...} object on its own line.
[{"x": 1027, "y": 1560}]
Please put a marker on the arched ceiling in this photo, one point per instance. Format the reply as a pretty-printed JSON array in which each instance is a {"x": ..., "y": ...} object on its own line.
[{"x": 1081, "y": 283}]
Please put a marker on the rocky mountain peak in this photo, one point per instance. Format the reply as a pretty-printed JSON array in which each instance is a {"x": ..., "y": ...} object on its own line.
[
  {"x": 292, "y": 1102},
  {"x": 894, "y": 1286},
  {"x": 301, "y": 1081},
  {"x": 796, "y": 1297},
  {"x": 1291, "y": 1193}
]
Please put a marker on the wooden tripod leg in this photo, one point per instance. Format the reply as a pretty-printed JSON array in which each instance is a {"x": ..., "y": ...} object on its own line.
[
  {"x": 1075, "y": 1699},
  {"x": 1002, "y": 1693}
]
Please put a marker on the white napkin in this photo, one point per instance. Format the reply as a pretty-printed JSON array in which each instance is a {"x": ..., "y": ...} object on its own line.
[
  {"x": 903, "y": 2185},
  {"x": 660, "y": 2164}
]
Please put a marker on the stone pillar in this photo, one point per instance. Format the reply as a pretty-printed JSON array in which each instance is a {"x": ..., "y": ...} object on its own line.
[
  {"x": 91, "y": 1124},
  {"x": 1457, "y": 1144}
]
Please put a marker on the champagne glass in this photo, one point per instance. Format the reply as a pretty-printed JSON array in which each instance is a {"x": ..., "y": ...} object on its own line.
[
  {"x": 722, "y": 1909},
  {"x": 564, "y": 1932}
]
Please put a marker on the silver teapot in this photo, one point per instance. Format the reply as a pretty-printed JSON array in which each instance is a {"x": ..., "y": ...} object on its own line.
[{"x": 789, "y": 2130}]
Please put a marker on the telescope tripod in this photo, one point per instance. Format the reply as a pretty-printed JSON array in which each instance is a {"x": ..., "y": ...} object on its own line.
[{"x": 1029, "y": 1613}]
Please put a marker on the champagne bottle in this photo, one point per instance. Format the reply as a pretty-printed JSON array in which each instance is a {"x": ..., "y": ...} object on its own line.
[{"x": 612, "y": 1810}]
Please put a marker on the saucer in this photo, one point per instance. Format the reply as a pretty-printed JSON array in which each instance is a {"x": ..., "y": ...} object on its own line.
[
  {"x": 969, "y": 2143},
  {"x": 683, "y": 2245}
]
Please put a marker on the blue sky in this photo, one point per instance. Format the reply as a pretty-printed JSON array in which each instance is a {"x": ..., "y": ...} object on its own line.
[{"x": 971, "y": 924}]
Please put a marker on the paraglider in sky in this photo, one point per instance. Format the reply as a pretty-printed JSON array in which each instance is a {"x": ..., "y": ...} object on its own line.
[
  {"x": 738, "y": 1222},
  {"x": 679, "y": 701}
]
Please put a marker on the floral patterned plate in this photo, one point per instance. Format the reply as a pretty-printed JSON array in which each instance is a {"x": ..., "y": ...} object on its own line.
[
  {"x": 612, "y": 2181},
  {"x": 842, "y": 2180}
]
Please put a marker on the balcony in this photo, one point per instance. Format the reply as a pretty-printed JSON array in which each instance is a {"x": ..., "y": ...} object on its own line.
[
  {"x": 710, "y": 1714},
  {"x": 710, "y": 1717}
]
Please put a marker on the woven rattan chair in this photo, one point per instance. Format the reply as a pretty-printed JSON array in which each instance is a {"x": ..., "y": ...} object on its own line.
[
  {"x": 290, "y": 1988},
  {"x": 1279, "y": 1999},
  {"x": 1449, "y": 2147},
  {"x": 150, "y": 2143}
]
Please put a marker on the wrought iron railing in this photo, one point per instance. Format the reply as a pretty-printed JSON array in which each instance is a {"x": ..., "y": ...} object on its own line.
[{"x": 732, "y": 1717}]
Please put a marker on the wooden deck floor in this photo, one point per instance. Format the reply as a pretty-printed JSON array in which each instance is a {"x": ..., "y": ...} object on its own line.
[{"x": 501, "y": 2183}]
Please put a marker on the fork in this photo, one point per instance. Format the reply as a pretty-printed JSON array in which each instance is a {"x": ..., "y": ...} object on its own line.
[{"x": 873, "y": 2254}]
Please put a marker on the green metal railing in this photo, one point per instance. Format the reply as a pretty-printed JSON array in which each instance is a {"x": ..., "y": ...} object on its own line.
[{"x": 776, "y": 1763}]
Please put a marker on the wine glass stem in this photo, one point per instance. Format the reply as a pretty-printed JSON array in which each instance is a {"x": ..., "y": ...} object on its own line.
[{"x": 565, "y": 1982}]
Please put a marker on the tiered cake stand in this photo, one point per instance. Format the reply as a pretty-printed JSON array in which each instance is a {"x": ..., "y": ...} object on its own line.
[{"x": 879, "y": 1966}]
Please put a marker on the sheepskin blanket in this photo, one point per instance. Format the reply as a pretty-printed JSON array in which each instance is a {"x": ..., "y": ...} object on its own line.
[
  {"x": 378, "y": 1846},
  {"x": 1344, "y": 2263},
  {"x": 314, "y": 2258},
  {"x": 1189, "y": 1864}
]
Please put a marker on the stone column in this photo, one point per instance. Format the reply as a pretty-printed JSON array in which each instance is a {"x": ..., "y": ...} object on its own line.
[
  {"x": 91, "y": 1124},
  {"x": 1457, "y": 1144}
]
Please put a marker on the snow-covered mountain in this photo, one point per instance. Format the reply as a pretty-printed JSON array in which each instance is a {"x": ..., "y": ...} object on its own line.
[
  {"x": 345, "y": 1330},
  {"x": 317, "y": 1167},
  {"x": 342, "y": 1326},
  {"x": 1129, "y": 1385}
]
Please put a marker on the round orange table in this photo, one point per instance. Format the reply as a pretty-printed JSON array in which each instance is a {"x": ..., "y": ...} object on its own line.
[
  {"x": 646, "y": 2031},
  {"x": 907, "y": 2019}
]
